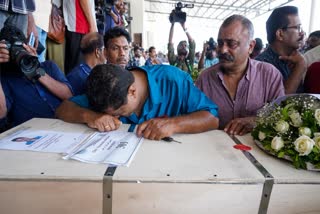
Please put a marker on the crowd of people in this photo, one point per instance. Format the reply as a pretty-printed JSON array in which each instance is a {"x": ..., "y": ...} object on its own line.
[{"x": 107, "y": 80}]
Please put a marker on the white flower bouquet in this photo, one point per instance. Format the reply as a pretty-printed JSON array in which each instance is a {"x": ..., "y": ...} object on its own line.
[{"x": 289, "y": 128}]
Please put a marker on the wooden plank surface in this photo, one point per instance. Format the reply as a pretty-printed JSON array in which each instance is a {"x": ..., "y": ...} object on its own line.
[
  {"x": 282, "y": 170},
  {"x": 39, "y": 165},
  {"x": 205, "y": 157},
  {"x": 294, "y": 190},
  {"x": 204, "y": 174}
]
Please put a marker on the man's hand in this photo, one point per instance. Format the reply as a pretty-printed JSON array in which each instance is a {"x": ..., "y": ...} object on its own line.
[
  {"x": 32, "y": 28},
  {"x": 156, "y": 129},
  {"x": 31, "y": 50},
  {"x": 104, "y": 122},
  {"x": 294, "y": 60},
  {"x": 297, "y": 65},
  {"x": 4, "y": 53},
  {"x": 240, "y": 126},
  {"x": 205, "y": 47}
]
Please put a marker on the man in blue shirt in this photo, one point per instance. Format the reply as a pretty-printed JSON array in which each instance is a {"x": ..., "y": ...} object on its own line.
[
  {"x": 161, "y": 99},
  {"x": 92, "y": 49},
  {"x": 23, "y": 97}
]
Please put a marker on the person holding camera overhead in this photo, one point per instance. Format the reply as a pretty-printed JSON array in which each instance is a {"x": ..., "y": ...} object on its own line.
[
  {"x": 112, "y": 13},
  {"x": 209, "y": 55},
  {"x": 28, "y": 89},
  {"x": 186, "y": 53}
]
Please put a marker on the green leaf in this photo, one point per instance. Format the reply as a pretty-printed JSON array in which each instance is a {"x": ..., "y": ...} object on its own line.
[
  {"x": 315, "y": 150},
  {"x": 281, "y": 154}
]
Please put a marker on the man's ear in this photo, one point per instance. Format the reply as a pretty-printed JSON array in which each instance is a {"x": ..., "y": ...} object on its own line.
[
  {"x": 279, "y": 34},
  {"x": 132, "y": 91},
  {"x": 98, "y": 52}
]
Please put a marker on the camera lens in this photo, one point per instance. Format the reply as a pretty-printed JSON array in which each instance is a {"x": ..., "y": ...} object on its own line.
[{"x": 29, "y": 64}]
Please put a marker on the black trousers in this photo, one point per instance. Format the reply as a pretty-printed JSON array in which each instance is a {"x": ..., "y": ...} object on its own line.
[{"x": 72, "y": 56}]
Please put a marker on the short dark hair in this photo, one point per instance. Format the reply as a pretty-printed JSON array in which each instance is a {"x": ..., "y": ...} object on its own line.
[
  {"x": 151, "y": 48},
  {"x": 90, "y": 42},
  {"x": 259, "y": 44},
  {"x": 116, "y": 32},
  {"x": 244, "y": 21},
  {"x": 279, "y": 19},
  {"x": 315, "y": 34},
  {"x": 107, "y": 87},
  {"x": 135, "y": 48}
]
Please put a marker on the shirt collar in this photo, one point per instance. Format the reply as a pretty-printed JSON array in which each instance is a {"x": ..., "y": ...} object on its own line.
[{"x": 247, "y": 74}]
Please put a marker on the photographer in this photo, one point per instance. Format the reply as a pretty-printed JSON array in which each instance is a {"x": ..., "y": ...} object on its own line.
[
  {"x": 209, "y": 55},
  {"x": 185, "y": 58},
  {"x": 112, "y": 13},
  {"x": 28, "y": 89}
]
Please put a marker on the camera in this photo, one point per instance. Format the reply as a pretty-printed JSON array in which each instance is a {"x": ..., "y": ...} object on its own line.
[
  {"x": 102, "y": 7},
  {"x": 28, "y": 64},
  {"x": 177, "y": 15},
  {"x": 212, "y": 44}
]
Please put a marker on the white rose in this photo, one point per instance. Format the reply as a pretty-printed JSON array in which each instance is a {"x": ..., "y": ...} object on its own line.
[
  {"x": 316, "y": 140},
  {"x": 303, "y": 145},
  {"x": 262, "y": 135},
  {"x": 305, "y": 131},
  {"x": 277, "y": 143},
  {"x": 296, "y": 119},
  {"x": 317, "y": 115},
  {"x": 282, "y": 126},
  {"x": 316, "y": 134}
]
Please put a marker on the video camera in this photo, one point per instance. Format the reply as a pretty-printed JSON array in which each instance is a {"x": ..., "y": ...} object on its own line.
[
  {"x": 102, "y": 7},
  {"x": 212, "y": 44},
  {"x": 19, "y": 57},
  {"x": 177, "y": 15}
]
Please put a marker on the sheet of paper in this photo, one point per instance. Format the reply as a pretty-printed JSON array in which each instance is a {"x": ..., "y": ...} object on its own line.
[
  {"x": 76, "y": 141},
  {"x": 26, "y": 138},
  {"x": 116, "y": 147}
]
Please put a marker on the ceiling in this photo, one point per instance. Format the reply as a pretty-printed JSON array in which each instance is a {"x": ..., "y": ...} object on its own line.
[{"x": 212, "y": 11}]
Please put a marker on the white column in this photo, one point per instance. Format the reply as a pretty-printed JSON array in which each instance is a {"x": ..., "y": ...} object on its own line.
[
  {"x": 137, "y": 24},
  {"x": 314, "y": 23}
]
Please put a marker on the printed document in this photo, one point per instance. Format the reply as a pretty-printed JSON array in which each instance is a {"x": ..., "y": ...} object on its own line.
[{"x": 76, "y": 142}]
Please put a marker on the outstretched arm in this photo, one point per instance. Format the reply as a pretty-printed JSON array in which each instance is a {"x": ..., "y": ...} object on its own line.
[
  {"x": 72, "y": 113},
  {"x": 201, "y": 61},
  {"x": 158, "y": 128},
  {"x": 186, "y": 31},
  {"x": 171, "y": 33}
]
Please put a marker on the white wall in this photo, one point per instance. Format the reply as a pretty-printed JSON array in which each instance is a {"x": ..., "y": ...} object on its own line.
[
  {"x": 138, "y": 22},
  {"x": 155, "y": 27}
]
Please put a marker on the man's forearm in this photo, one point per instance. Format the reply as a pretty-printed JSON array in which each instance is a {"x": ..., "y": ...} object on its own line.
[
  {"x": 72, "y": 113},
  {"x": 292, "y": 83},
  {"x": 3, "y": 107},
  {"x": 171, "y": 33},
  {"x": 195, "y": 122},
  {"x": 85, "y": 6},
  {"x": 201, "y": 61},
  {"x": 57, "y": 88}
]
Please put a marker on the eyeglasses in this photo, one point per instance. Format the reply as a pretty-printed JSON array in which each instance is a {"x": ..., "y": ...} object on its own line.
[
  {"x": 233, "y": 44},
  {"x": 297, "y": 27}
]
